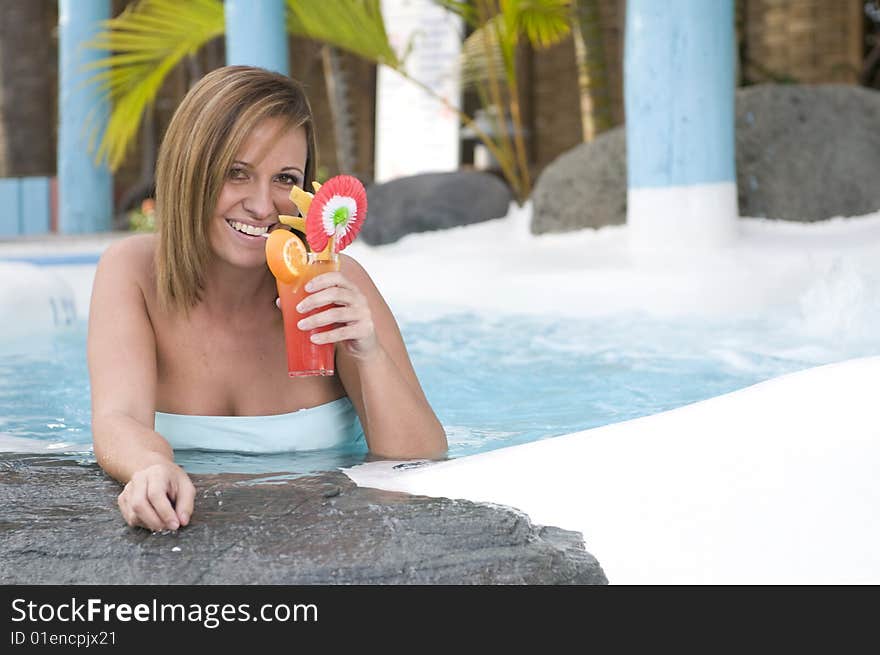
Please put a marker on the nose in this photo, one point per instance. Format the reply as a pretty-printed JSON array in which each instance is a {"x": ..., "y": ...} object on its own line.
[{"x": 259, "y": 203}]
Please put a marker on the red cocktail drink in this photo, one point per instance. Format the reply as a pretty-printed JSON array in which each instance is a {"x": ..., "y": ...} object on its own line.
[{"x": 304, "y": 357}]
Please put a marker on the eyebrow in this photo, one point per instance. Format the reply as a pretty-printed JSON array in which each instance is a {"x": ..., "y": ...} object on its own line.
[{"x": 284, "y": 168}]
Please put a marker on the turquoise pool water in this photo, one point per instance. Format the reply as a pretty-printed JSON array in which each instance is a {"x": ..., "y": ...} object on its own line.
[{"x": 493, "y": 382}]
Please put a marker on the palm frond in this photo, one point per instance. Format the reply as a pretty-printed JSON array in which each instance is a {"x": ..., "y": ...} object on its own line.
[
  {"x": 543, "y": 22},
  {"x": 146, "y": 42},
  {"x": 461, "y": 8},
  {"x": 353, "y": 25}
]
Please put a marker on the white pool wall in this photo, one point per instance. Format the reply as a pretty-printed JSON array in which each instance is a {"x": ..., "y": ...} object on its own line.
[
  {"x": 33, "y": 300},
  {"x": 30, "y": 291}
]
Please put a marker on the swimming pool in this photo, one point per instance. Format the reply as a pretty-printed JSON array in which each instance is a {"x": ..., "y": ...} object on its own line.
[
  {"x": 546, "y": 336},
  {"x": 494, "y": 381},
  {"x": 518, "y": 338}
]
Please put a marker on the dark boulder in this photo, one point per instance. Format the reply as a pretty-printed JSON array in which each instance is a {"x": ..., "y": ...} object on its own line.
[
  {"x": 807, "y": 153},
  {"x": 432, "y": 201},
  {"x": 584, "y": 187}
]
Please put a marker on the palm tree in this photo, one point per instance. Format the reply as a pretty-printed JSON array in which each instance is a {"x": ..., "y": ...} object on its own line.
[
  {"x": 591, "y": 67},
  {"x": 152, "y": 37},
  {"x": 340, "y": 108},
  {"x": 489, "y": 67}
]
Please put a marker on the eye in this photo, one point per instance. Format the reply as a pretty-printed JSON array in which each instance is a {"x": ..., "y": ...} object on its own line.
[
  {"x": 288, "y": 179},
  {"x": 237, "y": 173}
]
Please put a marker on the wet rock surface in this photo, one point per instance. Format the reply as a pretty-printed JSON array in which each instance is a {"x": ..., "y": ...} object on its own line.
[{"x": 59, "y": 525}]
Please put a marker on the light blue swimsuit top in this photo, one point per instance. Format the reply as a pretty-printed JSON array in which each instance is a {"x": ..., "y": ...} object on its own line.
[{"x": 331, "y": 425}]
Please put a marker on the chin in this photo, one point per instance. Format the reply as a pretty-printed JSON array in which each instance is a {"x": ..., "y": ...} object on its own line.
[{"x": 238, "y": 256}]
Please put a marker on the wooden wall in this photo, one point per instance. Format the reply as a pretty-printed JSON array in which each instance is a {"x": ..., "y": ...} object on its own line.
[{"x": 802, "y": 41}]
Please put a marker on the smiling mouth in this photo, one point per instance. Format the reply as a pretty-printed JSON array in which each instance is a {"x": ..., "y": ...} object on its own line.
[{"x": 251, "y": 230}]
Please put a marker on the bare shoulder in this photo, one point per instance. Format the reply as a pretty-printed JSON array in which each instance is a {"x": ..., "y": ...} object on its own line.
[
  {"x": 135, "y": 250},
  {"x": 356, "y": 273},
  {"x": 130, "y": 258},
  {"x": 350, "y": 265}
]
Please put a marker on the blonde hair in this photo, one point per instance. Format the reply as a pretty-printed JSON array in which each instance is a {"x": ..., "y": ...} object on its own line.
[{"x": 205, "y": 133}]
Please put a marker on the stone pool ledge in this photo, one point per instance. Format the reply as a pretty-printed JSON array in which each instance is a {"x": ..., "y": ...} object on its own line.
[{"x": 59, "y": 525}]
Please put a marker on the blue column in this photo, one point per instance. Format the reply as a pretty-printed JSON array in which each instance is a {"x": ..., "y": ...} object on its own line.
[
  {"x": 256, "y": 34},
  {"x": 85, "y": 191},
  {"x": 679, "y": 80}
]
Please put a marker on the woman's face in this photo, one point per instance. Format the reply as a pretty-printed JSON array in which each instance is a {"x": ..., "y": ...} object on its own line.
[{"x": 256, "y": 191}]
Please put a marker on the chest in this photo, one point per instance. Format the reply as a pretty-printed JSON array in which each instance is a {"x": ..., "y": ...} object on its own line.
[
  {"x": 213, "y": 352},
  {"x": 215, "y": 368}
]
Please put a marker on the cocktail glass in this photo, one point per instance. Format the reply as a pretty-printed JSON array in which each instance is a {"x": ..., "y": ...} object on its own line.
[{"x": 305, "y": 358}]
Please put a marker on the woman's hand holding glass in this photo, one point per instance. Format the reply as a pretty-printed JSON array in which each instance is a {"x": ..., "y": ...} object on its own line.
[{"x": 346, "y": 308}]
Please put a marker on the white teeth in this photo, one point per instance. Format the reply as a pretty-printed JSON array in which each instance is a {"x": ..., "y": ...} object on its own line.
[{"x": 253, "y": 230}]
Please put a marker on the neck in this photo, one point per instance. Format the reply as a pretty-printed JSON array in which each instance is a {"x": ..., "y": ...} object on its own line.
[{"x": 230, "y": 289}]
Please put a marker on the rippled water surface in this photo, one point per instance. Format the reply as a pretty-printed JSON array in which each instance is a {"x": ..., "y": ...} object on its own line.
[{"x": 493, "y": 382}]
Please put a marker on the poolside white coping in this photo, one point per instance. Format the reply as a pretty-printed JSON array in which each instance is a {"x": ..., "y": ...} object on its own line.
[
  {"x": 498, "y": 266},
  {"x": 45, "y": 297},
  {"x": 33, "y": 300},
  {"x": 775, "y": 483}
]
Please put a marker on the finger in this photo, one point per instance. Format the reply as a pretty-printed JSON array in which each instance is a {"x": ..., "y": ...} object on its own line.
[
  {"x": 140, "y": 511},
  {"x": 183, "y": 504},
  {"x": 330, "y": 296},
  {"x": 157, "y": 492},
  {"x": 331, "y": 316},
  {"x": 344, "y": 333},
  {"x": 143, "y": 513},
  {"x": 325, "y": 280},
  {"x": 127, "y": 514}
]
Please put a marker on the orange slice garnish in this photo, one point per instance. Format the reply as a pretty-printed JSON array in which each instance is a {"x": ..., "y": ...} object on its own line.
[{"x": 286, "y": 255}]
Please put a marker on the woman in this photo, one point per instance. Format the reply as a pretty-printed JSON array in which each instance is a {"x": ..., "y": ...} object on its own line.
[{"x": 183, "y": 325}]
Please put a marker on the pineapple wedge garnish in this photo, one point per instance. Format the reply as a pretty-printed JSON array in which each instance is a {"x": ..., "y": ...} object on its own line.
[{"x": 302, "y": 200}]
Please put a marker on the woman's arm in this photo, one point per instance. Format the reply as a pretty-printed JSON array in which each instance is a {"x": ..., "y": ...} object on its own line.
[
  {"x": 374, "y": 366},
  {"x": 122, "y": 372}
]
